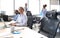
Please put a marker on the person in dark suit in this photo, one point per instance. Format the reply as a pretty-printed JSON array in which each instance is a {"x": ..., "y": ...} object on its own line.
[{"x": 26, "y": 7}]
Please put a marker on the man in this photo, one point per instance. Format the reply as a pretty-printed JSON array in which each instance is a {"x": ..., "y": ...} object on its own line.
[
  {"x": 21, "y": 18},
  {"x": 26, "y": 7}
]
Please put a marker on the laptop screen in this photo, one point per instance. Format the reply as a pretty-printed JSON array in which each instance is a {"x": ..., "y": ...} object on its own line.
[{"x": 2, "y": 24}]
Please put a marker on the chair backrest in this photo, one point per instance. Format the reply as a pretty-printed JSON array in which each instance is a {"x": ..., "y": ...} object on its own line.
[
  {"x": 37, "y": 19},
  {"x": 30, "y": 18},
  {"x": 51, "y": 14},
  {"x": 50, "y": 25},
  {"x": 58, "y": 13},
  {"x": 5, "y": 17},
  {"x": 29, "y": 13}
]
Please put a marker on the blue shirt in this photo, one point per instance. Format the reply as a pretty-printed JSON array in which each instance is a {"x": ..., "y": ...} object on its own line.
[
  {"x": 44, "y": 12},
  {"x": 15, "y": 17}
]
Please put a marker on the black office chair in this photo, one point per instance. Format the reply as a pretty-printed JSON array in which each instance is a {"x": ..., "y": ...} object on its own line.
[
  {"x": 0, "y": 19},
  {"x": 58, "y": 13},
  {"x": 29, "y": 13},
  {"x": 49, "y": 24},
  {"x": 30, "y": 22},
  {"x": 5, "y": 17},
  {"x": 30, "y": 19},
  {"x": 37, "y": 19},
  {"x": 51, "y": 14}
]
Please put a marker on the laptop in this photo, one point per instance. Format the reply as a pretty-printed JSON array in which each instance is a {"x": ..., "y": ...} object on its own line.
[{"x": 2, "y": 24}]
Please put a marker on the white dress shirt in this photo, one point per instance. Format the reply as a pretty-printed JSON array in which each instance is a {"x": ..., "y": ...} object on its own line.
[{"x": 21, "y": 20}]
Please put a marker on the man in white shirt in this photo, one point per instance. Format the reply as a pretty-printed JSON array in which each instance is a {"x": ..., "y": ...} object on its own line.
[{"x": 21, "y": 18}]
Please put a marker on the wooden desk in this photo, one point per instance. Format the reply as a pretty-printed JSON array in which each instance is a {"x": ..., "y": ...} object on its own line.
[{"x": 25, "y": 32}]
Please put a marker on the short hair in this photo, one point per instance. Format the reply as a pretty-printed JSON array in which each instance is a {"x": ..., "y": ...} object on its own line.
[
  {"x": 16, "y": 12},
  {"x": 21, "y": 8},
  {"x": 26, "y": 4},
  {"x": 44, "y": 5}
]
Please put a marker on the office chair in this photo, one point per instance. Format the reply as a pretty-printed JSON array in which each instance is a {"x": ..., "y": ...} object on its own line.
[
  {"x": 51, "y": 14},
  {"x": 29, "y": 13},
  {"x": 58, "y": 13},
  {"x": 30, "y": 19},
  {"x": 30, "y": 22},
  {"x": 49, "y": 24},
  {"x": 0, "y": 19},
  {"x": 5, "y": 17},
  {"x": 37, "y": 19}
]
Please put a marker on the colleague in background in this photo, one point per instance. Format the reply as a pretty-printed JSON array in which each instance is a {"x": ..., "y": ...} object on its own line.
[
  {"x": 16, "y": 12},
  {"x": 16, "y": 15},
  {"x": 26, "y": 7},
  {"x": 44, "y": 10},
  {"x": 21, "y": 18}
]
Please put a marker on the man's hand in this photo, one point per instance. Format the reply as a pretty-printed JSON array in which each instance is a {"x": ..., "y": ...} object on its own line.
[{"x": 13, "y": 24}]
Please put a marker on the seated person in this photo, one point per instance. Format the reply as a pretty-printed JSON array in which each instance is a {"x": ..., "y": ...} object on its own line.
[
  {"x": 16, "y": 14},
  {"x": 21, "y": 19}
]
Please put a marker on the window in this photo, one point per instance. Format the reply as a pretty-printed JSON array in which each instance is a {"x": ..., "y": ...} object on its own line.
[
  {"x": 20, "y": 3},
  {"x": 54, "y": 2},
  {"x": 34, "y": 6},
  {"x": 55, "y": 5},
  {"x": 7, "y": 6},
  {"x": 42, "y": 2}
]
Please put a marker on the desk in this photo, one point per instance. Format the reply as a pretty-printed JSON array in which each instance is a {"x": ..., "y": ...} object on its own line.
[
  {"x": 4, "y": 23},
  {"x": 25, "y": 33}
]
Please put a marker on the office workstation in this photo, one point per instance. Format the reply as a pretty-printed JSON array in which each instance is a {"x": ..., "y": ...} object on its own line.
[{"x": 29, "y": 18}]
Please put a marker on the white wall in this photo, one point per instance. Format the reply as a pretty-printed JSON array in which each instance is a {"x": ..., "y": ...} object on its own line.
[{"x": 56, "y": 7}]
